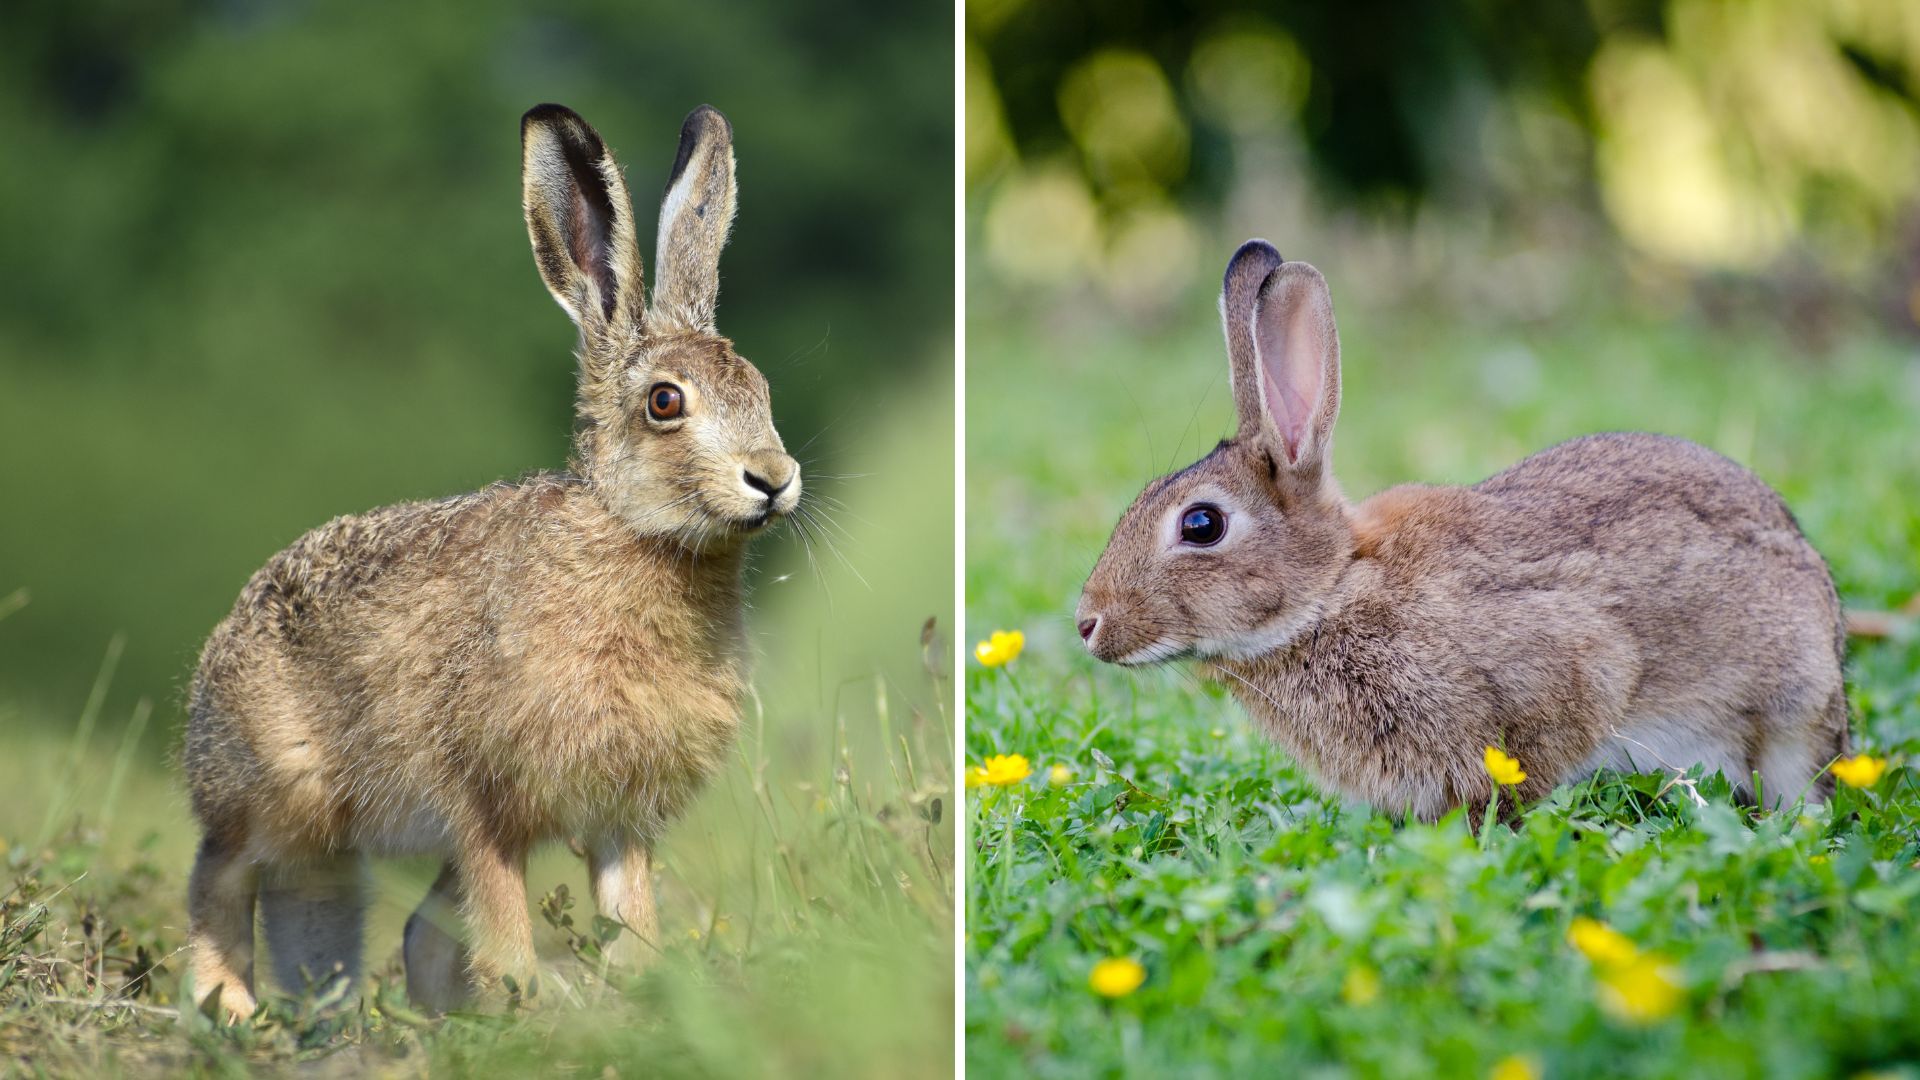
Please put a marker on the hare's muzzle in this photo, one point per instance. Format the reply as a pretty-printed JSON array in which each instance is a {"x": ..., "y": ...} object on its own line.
[{"x": 772, "y": 480}]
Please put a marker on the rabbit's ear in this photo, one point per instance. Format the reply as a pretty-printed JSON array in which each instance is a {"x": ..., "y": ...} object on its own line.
[
  {"x": 1246, "y": 272},
  {"x": 1298, "y": 354},
  {"x": 694, "y": 219},
  {"x": 580, "y": 220}
]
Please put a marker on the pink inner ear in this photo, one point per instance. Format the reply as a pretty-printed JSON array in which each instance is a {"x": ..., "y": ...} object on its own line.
[{"x": 1291, "y": 355}]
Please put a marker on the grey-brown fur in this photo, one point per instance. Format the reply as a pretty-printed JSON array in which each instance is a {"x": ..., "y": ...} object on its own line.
[
  {"x": 473, "y": 676},
  {"x": 1620, "y": 599}
]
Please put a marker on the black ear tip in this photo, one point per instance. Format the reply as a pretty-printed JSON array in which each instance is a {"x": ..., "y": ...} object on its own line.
[
  {"x": 705, "y": 121},
  {"x": 1254, "y": 254},
  {"x": 704, "y": 124},
  {"x": 548, "y": 114},
  {"x": 570, "y": 126}
]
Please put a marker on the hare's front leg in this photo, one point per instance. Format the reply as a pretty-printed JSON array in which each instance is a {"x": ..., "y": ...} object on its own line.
[
  {"x": 493, "y": 903},
  {"x": 622, "y": 870},
  {"x": 434, "y": 949},
  {"x": 220, "y": 899}
]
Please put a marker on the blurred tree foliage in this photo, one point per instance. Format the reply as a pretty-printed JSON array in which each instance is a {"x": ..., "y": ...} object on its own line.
[
  {"x": 264, "y": 262},
  {"x": 1714, "y": 134}
]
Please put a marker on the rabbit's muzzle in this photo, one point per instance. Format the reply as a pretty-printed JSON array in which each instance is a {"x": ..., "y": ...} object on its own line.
[{"x": 1121, "y": 630}]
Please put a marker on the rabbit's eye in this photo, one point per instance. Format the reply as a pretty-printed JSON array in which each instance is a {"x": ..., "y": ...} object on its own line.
[
  {"x": 664, "y": 401},
  {"x": 1202, "y": 525}
]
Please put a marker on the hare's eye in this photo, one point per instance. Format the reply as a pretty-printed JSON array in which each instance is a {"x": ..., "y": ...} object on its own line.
[
  {"x": 1202, "y": 525},
  {"x": 664, "y": 401}
]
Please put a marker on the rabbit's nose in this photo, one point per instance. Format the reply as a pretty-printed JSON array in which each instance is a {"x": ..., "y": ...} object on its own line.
[{"x": 1088, "y": 626}]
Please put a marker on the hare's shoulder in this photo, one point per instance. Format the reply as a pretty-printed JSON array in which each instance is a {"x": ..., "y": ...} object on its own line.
[{"x": 355, "y": 553}]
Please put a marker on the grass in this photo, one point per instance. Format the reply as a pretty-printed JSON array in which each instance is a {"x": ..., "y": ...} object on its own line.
[
  {"x": 1283, "y": 932},
  {"x": 807, "y": 901}
]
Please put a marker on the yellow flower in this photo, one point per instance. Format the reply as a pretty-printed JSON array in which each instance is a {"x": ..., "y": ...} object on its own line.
[
  {"x": 1059, "y": 776},
  {"x": 1116, "y": 976},
  {"x": 999, "y": 771},
  {"x": 1641, "y": 990},
  {"x": 1360, "y": 987},
  {"x": 1820, "y": 860},
  {"x": 1000, "y": 647},
  {"x": 1601, "y": 943},
  {"x": 1862, "y": 770},
  {"x": 1503, "y": 769},
  {"x": 1516, "y": 1067}
]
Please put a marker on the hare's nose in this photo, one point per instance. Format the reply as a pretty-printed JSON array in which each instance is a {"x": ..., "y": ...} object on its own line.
[
  {"x": 763, "y": 485},
  {"x": 1088, "y": 626},
  {"x": 769, "y": 472}
]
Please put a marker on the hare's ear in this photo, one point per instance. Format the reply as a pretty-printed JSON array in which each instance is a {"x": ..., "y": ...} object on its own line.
[
  {"x": 1246, "y": 272},
  {"x": 580, "y": 220},
  {"x": 1298, "y": 358},
  {"x": 694, "y": 219}
]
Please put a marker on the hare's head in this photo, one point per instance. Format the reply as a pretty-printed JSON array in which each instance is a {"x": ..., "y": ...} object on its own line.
[
  {"x": 676, "y": 428},
  {"x": 1231, "y": 556}
]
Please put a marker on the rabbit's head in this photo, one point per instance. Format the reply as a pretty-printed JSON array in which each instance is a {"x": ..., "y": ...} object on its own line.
[
  {"x": 1232, "y": 556},
  {"x": 676, "y": 429}
]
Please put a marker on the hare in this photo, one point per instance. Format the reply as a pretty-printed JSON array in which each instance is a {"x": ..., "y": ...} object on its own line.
[
  {"x": 561, "y": 657},
  {"x": 1620, "y": 600}
]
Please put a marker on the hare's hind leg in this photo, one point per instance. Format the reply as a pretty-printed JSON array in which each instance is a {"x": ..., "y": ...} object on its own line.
[
  {"x": 436, "y": 960},
  {"x": 312, "y": 913},
  {"x": 622, "y": 872},
  {"x": 220, "y": 899}
]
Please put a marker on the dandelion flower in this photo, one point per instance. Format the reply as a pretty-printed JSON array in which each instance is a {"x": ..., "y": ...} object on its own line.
[
  {"x": 1360, "y": 987},
  {"x": 999, "y": 771},
  {"x": 1516, "y": 1067},
  {"x": 1601, "y": 943},
  {"x": 1059, "y": 776},
  {"x": 1640, "y": 991},
  {"x": 1116, "y": 976},
  {"x": 1000, "y": 647},
  {"x": 1503, "y": 768},
  {"x": 1861, "y": 771}
]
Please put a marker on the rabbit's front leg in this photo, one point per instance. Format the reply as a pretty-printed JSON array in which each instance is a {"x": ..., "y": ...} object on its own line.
[
  {"x": 493, "y": 904},
  {"x": 621, "y": 866}
]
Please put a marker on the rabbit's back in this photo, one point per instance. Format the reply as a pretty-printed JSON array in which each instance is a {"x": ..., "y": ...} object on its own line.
[
  {"x": 1619, "y": 599},
  {"x": 1692, "y": 552},
  {"x": 383, "y": 669}
]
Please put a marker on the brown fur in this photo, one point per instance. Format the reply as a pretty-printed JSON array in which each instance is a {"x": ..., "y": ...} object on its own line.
[
  {"x": 473, "y": 676},
  {"x": 1622, "y": 599}
]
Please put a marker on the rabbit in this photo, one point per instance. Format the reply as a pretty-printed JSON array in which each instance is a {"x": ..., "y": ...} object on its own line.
[
  {"x": 1619, "y": 600},
  {"x": 559, "y": 658}
]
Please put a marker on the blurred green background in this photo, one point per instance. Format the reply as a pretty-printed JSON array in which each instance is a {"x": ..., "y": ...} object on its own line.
[
  {"x": 1716, "y": 150},
  {"x": 265, "y": 264}
]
